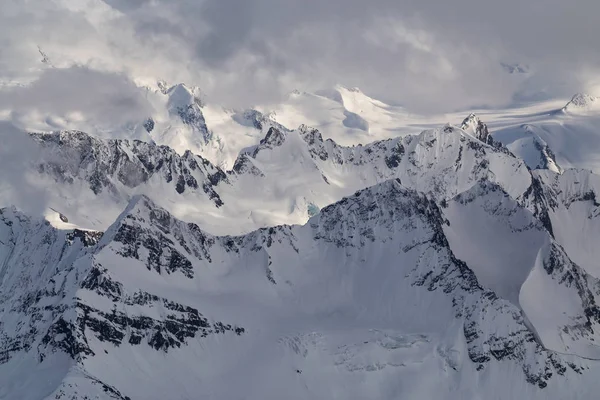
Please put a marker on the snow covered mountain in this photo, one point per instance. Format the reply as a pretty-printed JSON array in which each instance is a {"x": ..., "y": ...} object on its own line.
[
  {"x": 173, "y": 226},
  {"x": 352, "y": 259},
  {"x": 556, "y": 139},
  {"x": 346, "y": 115},
  {"x": 193, "y": 124},
  {"x": 91, "y": 180},
  {"x": 372, "y": 297}
]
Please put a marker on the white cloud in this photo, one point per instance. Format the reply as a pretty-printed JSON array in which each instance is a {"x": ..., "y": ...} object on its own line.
[
  {"x": 426, "y": 54},
  {"x": 17, "y": 186},
  {"x": 77, "y": 93}
]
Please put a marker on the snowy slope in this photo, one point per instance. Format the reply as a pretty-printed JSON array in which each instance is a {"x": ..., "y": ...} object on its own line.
[
  {"x": 570, "y": 203},
  {"x": 512, "y": 253},
  {"x": 557, "y": 139},
  {"x": 346, "y": 115},
  {"x": 366, "y": 300}
]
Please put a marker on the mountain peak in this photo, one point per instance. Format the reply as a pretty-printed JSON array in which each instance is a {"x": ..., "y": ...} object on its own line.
[
  {"x": 274, "y": 137},
  {"x": 162, "y": 86},
  {"x": 473, "y": 125},
  {"x": 353, "y": 89},
  {"x": 294, "y": 93},
  {"x": 471, "y": 121},
  {"x": 181, "y": 95},
  {"x": 582, "y": 102},
  {"x": 515, "y": 68},
  {"x": 139, "y": 205},
  {"x": 140, "y": 210}
]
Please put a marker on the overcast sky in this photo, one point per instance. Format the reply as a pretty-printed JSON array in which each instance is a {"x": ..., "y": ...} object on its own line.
[{"x": 428, "y": 55}]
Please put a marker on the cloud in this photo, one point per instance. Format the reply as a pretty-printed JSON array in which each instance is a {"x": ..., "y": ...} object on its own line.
[
  {"x": 102, "y": 98},
  {"x": 74, "y": 98},
  {"x": 428, "y": 55},
  {"x": 17, "y": 185}
]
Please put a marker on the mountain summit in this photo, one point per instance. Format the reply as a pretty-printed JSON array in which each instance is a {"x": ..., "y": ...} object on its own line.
[{"x": 582, "y": 102}]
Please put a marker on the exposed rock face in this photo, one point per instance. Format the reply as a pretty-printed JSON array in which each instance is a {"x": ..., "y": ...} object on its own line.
[
  {"x": 477, "y": 128},
  {"x": 257, "y": 120},
  {"x": 186, "y": 103},
  {"x": 149, "y": 125},
  {"x": 68, "y": 302},
  {"x": 117, "y": 165},
  {"x": 515, "y": 68}
]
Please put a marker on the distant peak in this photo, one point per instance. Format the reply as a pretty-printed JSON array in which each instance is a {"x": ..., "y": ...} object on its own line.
[
  {"x": 305, "y": 129},
  {"x": 515, "y": 68},
  {"x": 471, "y": 119},
  {"x": 473, "y": 125},
  {"x": 181, "y": 88},
  {"x": 582, "y": 103},
  {"x": 582, "y": 100},
  {"x": 162, "y": 86},
  {"x": 381, "y": 205},
  {"x": 45, "y": 58},
  {"x": 139, "y": 205},
  {"x": 182, "y": 96}
]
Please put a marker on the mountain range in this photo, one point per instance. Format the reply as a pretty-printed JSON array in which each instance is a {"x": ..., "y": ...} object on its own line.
[{"x": 331, "y": 246}]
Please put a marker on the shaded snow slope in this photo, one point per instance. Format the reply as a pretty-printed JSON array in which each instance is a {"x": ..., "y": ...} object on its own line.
[
  {"x": 511, "y": 252},
  {"x": 571, "y": 203},
  {"x": 556, "y": 139},
  {"x": 496, "y": 237}
]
